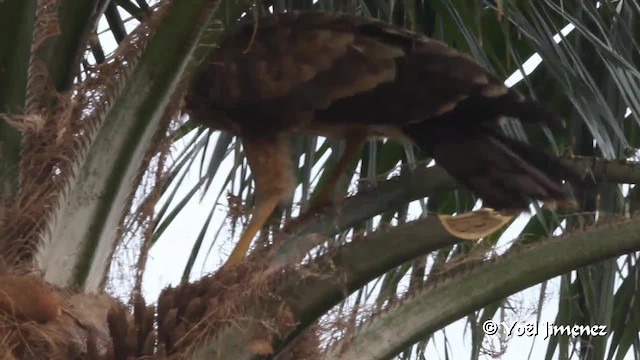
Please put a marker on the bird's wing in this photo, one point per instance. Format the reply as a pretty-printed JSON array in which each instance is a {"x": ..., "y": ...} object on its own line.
[
  {"x": 273, "y": 57},
  {"x": 348, "y": 68}
]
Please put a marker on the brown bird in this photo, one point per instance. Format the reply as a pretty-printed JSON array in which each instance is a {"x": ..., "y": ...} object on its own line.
[{"x": 356, "y": 78}]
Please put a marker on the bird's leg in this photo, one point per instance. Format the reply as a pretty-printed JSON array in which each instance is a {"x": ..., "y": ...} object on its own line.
[
  {"x": 324, "y": 195},
  {"x": 270, "y": 165}
]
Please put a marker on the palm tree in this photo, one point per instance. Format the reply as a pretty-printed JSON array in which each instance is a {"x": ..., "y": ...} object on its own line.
[{"x": 87, "y": 171}]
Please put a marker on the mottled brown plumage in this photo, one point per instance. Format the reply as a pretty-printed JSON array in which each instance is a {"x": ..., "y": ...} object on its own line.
[{"x": 355, "y": 78}]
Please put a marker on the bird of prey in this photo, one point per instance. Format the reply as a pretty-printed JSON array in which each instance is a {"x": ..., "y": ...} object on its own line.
[{"x": 356, "y": 78}]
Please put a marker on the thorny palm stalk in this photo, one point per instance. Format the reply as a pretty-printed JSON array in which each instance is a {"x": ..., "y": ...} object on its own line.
[{"x": 47, "y": 144}]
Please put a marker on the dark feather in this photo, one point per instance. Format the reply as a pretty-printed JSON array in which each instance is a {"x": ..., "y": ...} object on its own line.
[{"x": 506, "y": 173}]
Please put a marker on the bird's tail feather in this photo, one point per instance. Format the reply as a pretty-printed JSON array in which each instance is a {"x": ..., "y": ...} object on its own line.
[{"x": 504, "y": 172}]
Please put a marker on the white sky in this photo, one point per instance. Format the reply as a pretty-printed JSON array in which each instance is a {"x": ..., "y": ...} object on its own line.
[{"x": 168, "y": 257}]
